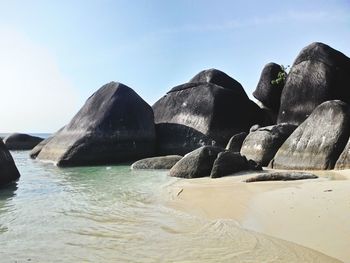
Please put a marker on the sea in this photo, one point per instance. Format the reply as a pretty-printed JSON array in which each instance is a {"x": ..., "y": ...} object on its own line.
[{"x": 115, "y": 214}]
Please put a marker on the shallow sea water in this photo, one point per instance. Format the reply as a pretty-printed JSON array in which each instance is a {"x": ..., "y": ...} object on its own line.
[{"x": 113, "y": 214}]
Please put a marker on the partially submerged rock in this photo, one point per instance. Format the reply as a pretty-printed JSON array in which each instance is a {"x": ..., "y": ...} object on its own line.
[
  {"x": 261, "y": 145},
  {"x": 228, "y": 163},
  {"x": 160, "y": 162},
  {"x": 8, "y": 169},
  {"x": 319, "y": 73},
  {"x": 268, "y": 93},
  {"x": 281, "y": 176},
  {"x": 115, "y": 125},
  {"x": 21, "y": 141},
  {"x": 37, "y": 149},
  {"x": 197, "y": 163},
  {"x": 318, "y": 141},
  {"x": 202, "y": 113},
  {"x": 236, "y": 141}
]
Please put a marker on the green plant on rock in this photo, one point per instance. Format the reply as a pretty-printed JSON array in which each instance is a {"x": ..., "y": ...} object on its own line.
[{"x": 281, "y": 76}]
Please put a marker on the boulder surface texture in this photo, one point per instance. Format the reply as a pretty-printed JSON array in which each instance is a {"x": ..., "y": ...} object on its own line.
[
  {"x": 115, "y": 125},
  {"x": 262, "y": 144},
  {"x": 8, "y": 169},
  {"x": 236, "y": 141},
  {"x": 197, "y": 163},
  {"x": 319, "y": 73},
  {"x": 21, "y": 141},
  {"x": 160, "y": 162},
  {"x": 202, "y": 112},
  {"x": 318, "y": 141},
  {"x": 229, "y": 162}
]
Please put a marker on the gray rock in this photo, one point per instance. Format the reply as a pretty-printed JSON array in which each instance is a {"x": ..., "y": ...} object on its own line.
[
  {"x": 219, "y": 78},
  {"x": 197, "y": 163},
  {"x": 20, "y": 141},
  {"x": 343, "y": 161},
  {"x": 160, "y": 162},
  {"x": 254, "y": 128},
  {"x": 236, "y": 141},
  {"x": 37, "y": 149},
  {"x": 281, "y": 176},
  {"x": 267, "y": 93},
  {"x": 8, "y": 169},
  {"x": 115, "y": 125},
  {"x": 261, "y": 145},
  {"x": 319, "y": 73},
  {"x": 228, "y": 163},
  {"x": 318, "y": 141},
  {"x": 202, "y": 113}
]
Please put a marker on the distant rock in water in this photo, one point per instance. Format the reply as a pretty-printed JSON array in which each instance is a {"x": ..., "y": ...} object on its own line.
[
  {"x": 197, "y": 163},
  {"x": 281, "y": 176},
  {"x": 115, "y": 125},
  {"x": 8, "y": 169},
  {"x": 160, "y": 162},
  {"x": 261, "y": 145},
  {"x": 20, "y": 141},
  {"x": 317, "y": 143},
  {"x": 319, "y": 73},
  {"x": 202, "y": 113},
  {"x": 266, "y": 92}
]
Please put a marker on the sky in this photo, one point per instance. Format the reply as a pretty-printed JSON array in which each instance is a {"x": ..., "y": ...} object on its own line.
[{"x": 55, "y": 54}]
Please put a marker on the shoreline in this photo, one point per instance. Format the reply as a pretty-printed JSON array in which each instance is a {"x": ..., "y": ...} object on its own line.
[{"x": 313, "y": 213}]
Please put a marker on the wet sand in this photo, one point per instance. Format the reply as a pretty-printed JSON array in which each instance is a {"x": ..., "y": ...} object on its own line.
[{"x": 313, "y": 213}]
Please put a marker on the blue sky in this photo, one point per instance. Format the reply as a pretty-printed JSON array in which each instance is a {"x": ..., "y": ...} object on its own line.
[{"x": 54, "y": 54}]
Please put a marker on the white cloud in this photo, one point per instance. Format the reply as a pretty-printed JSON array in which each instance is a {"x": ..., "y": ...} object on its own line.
[{"x": 35, "y": 95}]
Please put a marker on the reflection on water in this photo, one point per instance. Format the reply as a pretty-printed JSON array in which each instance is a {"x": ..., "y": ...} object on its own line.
[{"x": 112, "y": 214}]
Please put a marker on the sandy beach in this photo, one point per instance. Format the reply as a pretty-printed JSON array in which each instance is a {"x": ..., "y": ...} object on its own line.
[{"x": 313, "y": 213}]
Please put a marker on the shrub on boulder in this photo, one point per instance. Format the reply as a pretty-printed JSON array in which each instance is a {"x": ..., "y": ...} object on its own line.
[
  {"x": 319, "y": 73},
  {"x": 266, "y": 92}
]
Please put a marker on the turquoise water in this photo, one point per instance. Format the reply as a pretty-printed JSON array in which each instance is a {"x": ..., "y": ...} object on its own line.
[{"x": 112, "y": 214}]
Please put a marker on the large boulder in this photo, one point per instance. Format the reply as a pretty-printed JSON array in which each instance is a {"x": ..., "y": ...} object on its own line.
[
  {"x": 268, "y": 93},
  {"x": 318, "y": 141},
  {"x": 219, "y": 78},
  {"x": 115, "y": 125},
  {"x": 21, "y": 141},
  {"x": 8, "y": 169},
  {"x": 200, "y": 113},
  {"x": 197, "y": 163},
  {"x": 160, "y": 162},
  {"x": 236, "y": 141},
  {"x": 228, "y": 163},
  {"x": 262, "y": 144},
  {"x": 319, "y": 73}
]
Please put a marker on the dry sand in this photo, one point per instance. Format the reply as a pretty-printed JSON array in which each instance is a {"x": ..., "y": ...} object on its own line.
[{"x": 313, "y": 213}]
